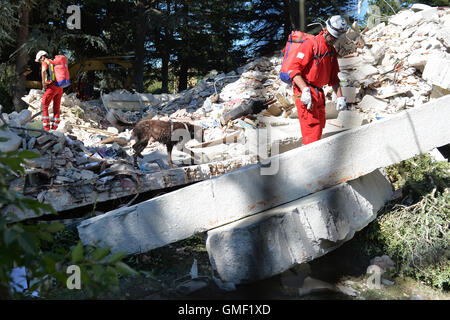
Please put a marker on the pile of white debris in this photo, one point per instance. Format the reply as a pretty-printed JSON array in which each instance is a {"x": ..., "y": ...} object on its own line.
[{"x": 402, "y": 64}]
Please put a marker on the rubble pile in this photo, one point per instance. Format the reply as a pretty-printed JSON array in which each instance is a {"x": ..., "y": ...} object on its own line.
[
  {"x": 395, "y": 66},
  {"x": 400, "y": 65}
]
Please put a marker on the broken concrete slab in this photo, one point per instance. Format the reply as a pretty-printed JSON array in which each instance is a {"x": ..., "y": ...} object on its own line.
[
  {"x": 13, "y": 143},
  {"x": 437, "y": 71},
  {"x": 444, "y": 35},
  {"x": 406, "y": 18},
  {"x": 417, "y": 60},
  {"x": 274, "y": 241},
  {"x": 371, "y": 103},
  {"x": 391, "y": 91},
  {"x": 419, "y": 7},
  {"x": 363, "y": 72},
  {"x": 258, "y": 79},
  {"x": 378, "y": 51},
  {"x": 22, "y": 117},
  {"x": 280, "y": 179},
  {"x": 350, "y": 119},
  {"x": 62, "y": 200},
  {"x": 429, "y": 15},
  {"x": 350, "y": 94},
  {"x": 350, "y": 63}
]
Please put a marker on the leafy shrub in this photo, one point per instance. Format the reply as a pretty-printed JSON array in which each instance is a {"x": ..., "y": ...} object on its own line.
[
  {"x": 34, "y": 245},
  {"x": 414, "y": 230},
  {"x": 418, "y": 238}
]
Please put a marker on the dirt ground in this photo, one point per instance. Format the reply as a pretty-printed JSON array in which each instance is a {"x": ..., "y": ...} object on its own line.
[{"x": 170, "y": 267}]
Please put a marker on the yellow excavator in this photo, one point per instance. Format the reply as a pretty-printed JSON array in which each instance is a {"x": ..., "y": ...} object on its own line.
[{"x": 92, "y": 64}]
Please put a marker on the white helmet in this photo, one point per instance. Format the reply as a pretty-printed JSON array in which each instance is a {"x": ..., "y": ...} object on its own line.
[
  {"x": 40, "y": 54},
  {"x": 336, "y": 26}
]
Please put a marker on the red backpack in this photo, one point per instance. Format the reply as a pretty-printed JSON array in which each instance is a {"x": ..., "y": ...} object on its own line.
[
  {"x": 295, "y": 40},
  {"x": 60, "y": 71}
]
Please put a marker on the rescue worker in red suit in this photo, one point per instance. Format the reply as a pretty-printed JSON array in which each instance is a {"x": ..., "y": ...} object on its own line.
[
  {"x": 52, "y": 93},
  {"x": 316, "y": 65}
]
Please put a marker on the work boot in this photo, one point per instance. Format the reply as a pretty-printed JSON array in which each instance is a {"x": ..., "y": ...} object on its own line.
[
  {"x": 46, "y": 123},
  {"x": 55, "y": 123}
]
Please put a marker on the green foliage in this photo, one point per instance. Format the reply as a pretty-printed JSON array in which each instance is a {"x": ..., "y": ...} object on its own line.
[
  {"x": 12, "y": 165},
  {"x": 45, "y": 248},
  {"x": 419, "y": 175},
  {"x": 414, "y": 230},
  {"x": 100, "y": 269},
  {"x": 9, "y": 20},
  {"x": 270, "y": 22},
  {"x": 6, "y": 80},
  {"x": 168, "y": 38},
  {"x": 418, "y": 238}
]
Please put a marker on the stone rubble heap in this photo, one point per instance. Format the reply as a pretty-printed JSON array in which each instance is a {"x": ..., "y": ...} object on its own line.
[{"x": 402, "y": 64}]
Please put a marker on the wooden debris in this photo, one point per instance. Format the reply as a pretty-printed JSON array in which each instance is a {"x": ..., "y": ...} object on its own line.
[{"x": 120, "y": 141}]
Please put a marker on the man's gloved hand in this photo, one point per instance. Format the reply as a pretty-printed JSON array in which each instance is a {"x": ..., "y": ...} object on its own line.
[
  {"x": 341, "y": 104},
  {"x": 306, "y": 97}
]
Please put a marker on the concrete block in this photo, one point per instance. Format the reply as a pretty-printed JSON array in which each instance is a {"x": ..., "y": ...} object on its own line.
[
  {"x": 429, "y": 15},
  {"x": 24, "y": 116},
  {"x": 419, "y": 7},
  {"x": 437, "y": 72},
  {"x": 363, "y": 72},
  {"x": 371, "y": 103},
  {"x": 274, "y": 241},
  {"x": 350, "y": 94},
  {"x": 409, "y": 18},
  {"x": 13, "y": 143},
  {"x": 350, "y": 63},
  {"x": 444, "y": 34},
  {"x": 272, "y": 182},
  {"x": 391, "y": 91},
  {"x": 417, "y": 60},
  {"x": 350, "y": 119}
]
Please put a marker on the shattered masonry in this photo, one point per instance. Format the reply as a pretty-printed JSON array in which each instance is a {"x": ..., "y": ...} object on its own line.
[{"x": 401, "y": 65}]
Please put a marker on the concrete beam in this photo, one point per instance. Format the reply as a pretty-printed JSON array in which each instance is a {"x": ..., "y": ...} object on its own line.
[
  {"x": 256, "y": 188},
  {"x": 273, "y": 241}
]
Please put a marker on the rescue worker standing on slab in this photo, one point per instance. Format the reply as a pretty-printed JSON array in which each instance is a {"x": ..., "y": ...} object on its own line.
[
  {"x": 52, "y": 92},
  {"x": 316, "y": 65}
]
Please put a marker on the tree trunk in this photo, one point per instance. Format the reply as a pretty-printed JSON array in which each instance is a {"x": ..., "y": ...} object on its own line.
[
  {"x": 184, "y": 53},
  {"x": 301, "y": 11},
  {"x": 289, "y": 10},
  {"x": 139, "y": 47},
  {"x": 183, "y": 75},
  {"x": 165, "y": 71},
  {"x": 165, "y": 54},
  {"x": 22, "y": 58}
]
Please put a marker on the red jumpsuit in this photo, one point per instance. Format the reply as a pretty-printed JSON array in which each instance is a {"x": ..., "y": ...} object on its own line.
[
  {"x": 316, "y": 70},
  {"x": 52, "y": 93}
]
